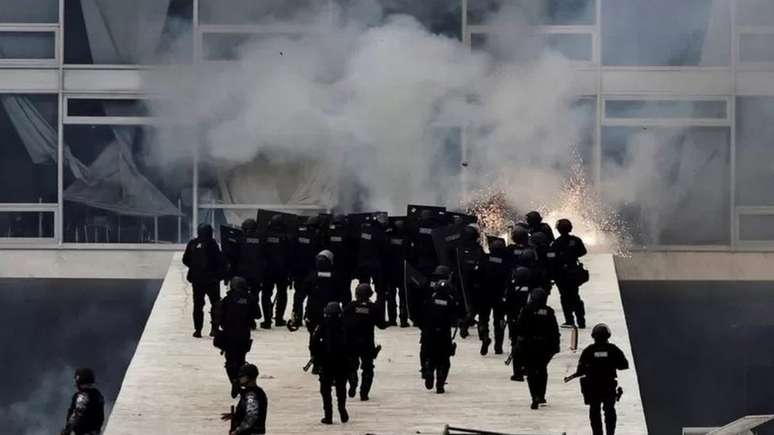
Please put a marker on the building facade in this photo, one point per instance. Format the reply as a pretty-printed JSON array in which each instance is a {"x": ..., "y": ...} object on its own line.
[{"x": 73, "y": 169}]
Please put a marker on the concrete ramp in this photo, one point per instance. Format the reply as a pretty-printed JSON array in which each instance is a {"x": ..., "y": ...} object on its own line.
[{"x": 176, "y": 384}]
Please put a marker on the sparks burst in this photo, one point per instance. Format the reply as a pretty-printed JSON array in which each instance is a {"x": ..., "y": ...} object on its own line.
[{"x": 600, "y": 227}]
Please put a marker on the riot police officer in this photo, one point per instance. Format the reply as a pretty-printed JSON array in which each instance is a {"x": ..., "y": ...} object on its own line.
[
  {"x": 277, "y": 248},
  {"x": 249, "y": 417},
  {"x": 436, "y": 343},
  {"x": 332, "y": 355},
  {"x": 471, "y": 254},
  {"x": 361, "y": 317},
  {"x": 521, "y": 253},
  {"x": 598, "y": 365},
  {"x": 424, "y": 255},
  {"x": 398, "y": 251},
  {"x": 496, "y": 275},
  {"x": 535, "y": 224},
  {"x": 371, "y": 259},
  {"x": 206, "y": 267},
  {"x": 236, "y": 312},
  {"x": 324, "y": 288},
  {"x": 538, "y": 339},
  {"x": 308, "y": 243},
  {"x": 250, "y": 265},
  {"x": 340, "y": 241},
  {"x": 514, "y": 300},
  {"x": 87, "y": 407},
  {"x": 567, "y": 250}
]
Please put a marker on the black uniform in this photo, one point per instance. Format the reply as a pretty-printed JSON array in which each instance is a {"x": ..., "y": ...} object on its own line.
[
  {"x": 206, "y": 267},
  {"x": 371, "y": 259},
  {"x": 307, "y": 244},
  {"x": 538, "y": 340},
  {"x": 495, "y": 277},
  {"x": 424, "y": 255},
  {"x": 535, "y": 224},
  {"x": 514, "y": 300},
  {"x": 361, "y": 317},
  {"x": 398, "y": 251},
  {"x": 324, "y": 288},
  {"x": 340, "y": 241},
  {"x": 236, "y": 312},
  {"x": 86, "y": 413},
  {"x": 251, "y": 266},
  {"x": 250, "y": 414},
  {"x": 568, "y": 249},
  {"x": 332, "y": 355},
  {"x": 437, "y": 347},
  {"x": 277, "y": 249},
  {"x": 598, "y": 363},
  {"x": 543, "y": 267}
]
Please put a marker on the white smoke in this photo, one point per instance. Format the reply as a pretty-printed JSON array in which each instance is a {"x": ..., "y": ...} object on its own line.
[{"x": 371, "y": 94}]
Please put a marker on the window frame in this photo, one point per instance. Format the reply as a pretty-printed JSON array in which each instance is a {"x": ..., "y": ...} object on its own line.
[{"x": 52, "y": 62}]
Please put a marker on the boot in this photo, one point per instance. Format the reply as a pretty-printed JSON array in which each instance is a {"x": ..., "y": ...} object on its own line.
[
  {"x": 440, "y": 382},
  {"x": 485, "y": 346},
  {"x": 365, "y": 387},
  {"x": 580, "y": 314},
  {"x": 197, "y": 334},
  {"x": 404, "y": 323},
  {"x": 343, "y": 414},
  {"x": 353, "y": 385},
  {"x": 429, "y": 379},
  {"x": 280, "y": 322},
  {"x": 234, "y": 388},
  {"x": 535, "y": 404},
  {"x": 266, "y": 325}
]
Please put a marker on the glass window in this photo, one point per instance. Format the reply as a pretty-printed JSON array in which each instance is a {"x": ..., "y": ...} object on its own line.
[
  {"x": 755, "y": 12},
  {"x": 672, "y": 184},
  {"x": 577, "y": 47},
  {"x": 106, "y": 107},
  {"x": 754, "y": 151},
  {"x": 28, "y": 148},
  {"x": 227, "y": 46},
  {"x": 659, "y": 109},
  {"x": 546, "y": 12},
  {"x": 128, "y": 32},
  {"x": 29, "y": 11},
  {"x": 27, "y": 45},
  {"x": 240, "y": 12},
  {"x": 26, "y": 224},
  {"x": 665, "y": 33},
  {"x": 756, "y": 47},
  {"x": 756, "y": 227},
  {"x": 135, "y": 186}
]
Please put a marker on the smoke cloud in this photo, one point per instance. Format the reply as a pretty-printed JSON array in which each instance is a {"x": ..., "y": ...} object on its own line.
[{"x": 385, "y": 96}]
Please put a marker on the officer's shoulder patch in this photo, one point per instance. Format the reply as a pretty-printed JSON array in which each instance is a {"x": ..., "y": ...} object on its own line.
[
  {"x": 497, "y": 260},
  {"x": 425, "y": 231},
  {"x": 524, "y": 289},
  {"x": 336, "y": 239},
  {"x": 273, "y": 239},
  {"x": 396, "y": 241},
  {"x": 363, "y": 310},
  {"x": 324, "y": 274},
  {"x": 366, "y": 236},
  {"x": 542, "y": 312},
  {"x": 441, "y": 302},
  {"x": 551, "y": 254},
  {"x": 600, "y": 354},
  {"x": 252, "y": 240},
  {"x": 242, "y": 301},
  {"x": 304, "y": 240}
]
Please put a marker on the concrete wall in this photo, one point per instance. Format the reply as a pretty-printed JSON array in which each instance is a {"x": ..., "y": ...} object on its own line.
[
  {"x": 696, "y": 266},
  {"x": 85, "y": 263}
]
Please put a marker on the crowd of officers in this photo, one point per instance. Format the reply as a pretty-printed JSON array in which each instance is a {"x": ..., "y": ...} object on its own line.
[{"x": 431, "y": 267}]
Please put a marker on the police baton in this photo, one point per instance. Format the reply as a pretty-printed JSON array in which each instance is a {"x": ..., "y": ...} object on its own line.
[
  {"x": 308, "y": 364},
  {"x": 509, "y": 359}
]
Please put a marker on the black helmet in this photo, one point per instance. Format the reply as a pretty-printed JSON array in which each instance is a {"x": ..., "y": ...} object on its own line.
[
  {"x": 238, "y": 283},
  {"x": 399, "y": 225},
  {"x": 248, "y": 370},
  {"x": 313, "y": 221},
  {"x": 537, "y": 297},
  {"x": 539, "y": 239},
  {"x": 382, "y": 219},
  {"x": 339, "y": 219},
  {"x": 470, "y": 232},
  {"x": 564, "y": 226},
  {"x": 601, "y": 332},
  {"x": 522, "y": 275},
  {"x": 249, "y": 225},
  {"x": 325, "y": 256},
  {"x": 520, "y": 235},
  {"x": 363, "y": 291},
  {"x": 276, "y": 222},
  {"x": 425, "y": 215},
  {"x": 442, "y": 271},
  {"x": 204, "y": 231},
  {"x": 333, "y": 309},
  {"x": 443, "y": 285},
  {"x": 497, "y": 245},
  {"x": 527, "y": 258},
  {"x": 84, "y": 376},
  {"x": 533, "y": 218}
]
